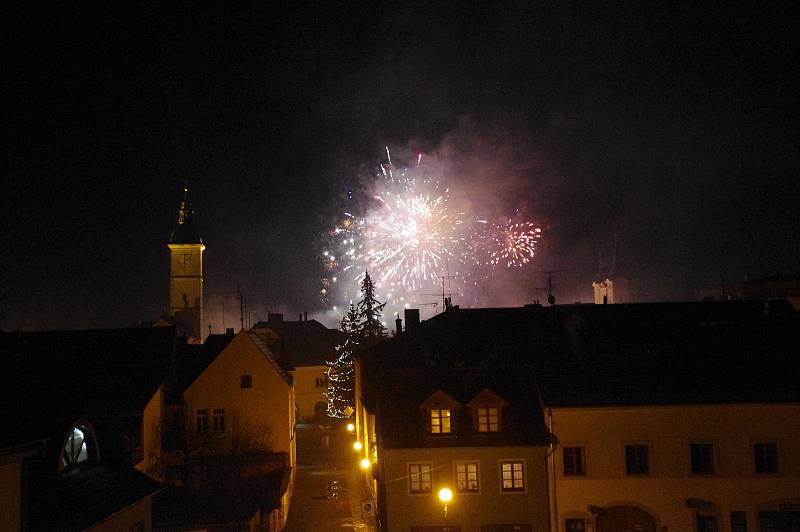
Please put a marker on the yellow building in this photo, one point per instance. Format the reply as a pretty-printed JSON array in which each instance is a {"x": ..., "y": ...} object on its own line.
[
  {"x": 703, "y": 467},
  {"x": 308, "y": 345},
  {"x": 475, "y": 430},
  {"x": 660, "y": 417}
]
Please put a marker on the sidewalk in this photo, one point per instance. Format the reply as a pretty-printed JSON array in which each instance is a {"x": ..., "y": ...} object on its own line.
[{"x": 359, "y": 493}]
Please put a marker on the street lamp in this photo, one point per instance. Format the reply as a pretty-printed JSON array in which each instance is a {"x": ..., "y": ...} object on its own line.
[
  {"x": 365, "y": 463},
  {"x": 358, "y": 446},
  {"x": 446, "y": 495},
  {"x": 350, "y": 427}
]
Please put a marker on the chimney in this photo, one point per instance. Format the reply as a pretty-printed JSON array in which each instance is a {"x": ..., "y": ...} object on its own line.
[
  {"x": 305, "y": 315},
  {"x": 398, "y": 324},
  {"x": 300, "y": 317},
  {"x": 229, "y": 331},
  {"x": 412, "y": 319}
]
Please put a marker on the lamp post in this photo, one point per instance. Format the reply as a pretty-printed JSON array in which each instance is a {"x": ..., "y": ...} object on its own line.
[{"x": 445, "y": 495}]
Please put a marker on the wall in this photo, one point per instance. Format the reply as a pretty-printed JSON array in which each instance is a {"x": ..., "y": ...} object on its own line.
[
  {"x": 152, "y": 425},
  {"x": 668, "y": 431},
  {"x": 10, "y": 491},
  {"x": 307, "y": 392},
  {"x": 489, "y": 506},
  {"x": 267, "y": 408}
]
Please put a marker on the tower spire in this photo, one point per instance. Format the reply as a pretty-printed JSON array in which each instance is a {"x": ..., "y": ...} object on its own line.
[{"x": 185, "y": 231}]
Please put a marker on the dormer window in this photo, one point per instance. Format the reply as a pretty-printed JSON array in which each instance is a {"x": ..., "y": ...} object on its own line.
[
  {"x": 439, "y": 408},
  {"x": 489, "y": 419},
  {"x": 75, "y": 450},
  {"x": 440, "y": 421},
  {"x": 79, "y": 446},
  {"x": 487, "y": 411}
]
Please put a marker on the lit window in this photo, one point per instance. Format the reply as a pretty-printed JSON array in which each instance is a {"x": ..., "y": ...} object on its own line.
[
  {"x": 573, "y": 461},
  {"x": 467, "y": 477},
  {"x": 246, "y": 381},
  {"x": 440, "y": 421},
  {"x": 766, "y": 458},
  {"x": 201, "y": 420},
  {"x": 512, "y": 474},
  {"x": 702, "y": 456},
  {"x": 75, "y": 450},
  {"x": 488, "y": 419},
  {"x": 419, "y": 478},
  {"x": 219, "y": 420},
  {"x": 637, "y": 460}
]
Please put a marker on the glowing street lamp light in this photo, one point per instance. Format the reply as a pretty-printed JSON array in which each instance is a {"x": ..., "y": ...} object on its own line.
[
  {"x": 357, "y": 446},
  {"x": 365, "y": 463},
  {"x": 446, "y": 495},
  {"x": 350, "y": 427}
]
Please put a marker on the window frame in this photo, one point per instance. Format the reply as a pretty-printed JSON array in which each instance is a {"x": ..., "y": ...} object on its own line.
[
  {"x": 512, "y": 461},
  {"x": 714, "y": 468},
  {"x": 575, "y": 520},
  {"x": 441, "y": 421},
  {"x": 498, "y": 418},
  {"x": 775, "y": 459},
  {"x": 465, "y": 464},
  {"x": 201, "y": 414},
  {"x": 647, "y": 455},
  {"x": 219, "y": 420},
  {"x": 577, "y": 473},
  {"x": 420, "y": 476}
]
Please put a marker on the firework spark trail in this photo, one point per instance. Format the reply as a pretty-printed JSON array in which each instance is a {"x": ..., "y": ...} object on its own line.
[
  {"x": 411, "y": 238},
  {"x": 516, "y": 244}
]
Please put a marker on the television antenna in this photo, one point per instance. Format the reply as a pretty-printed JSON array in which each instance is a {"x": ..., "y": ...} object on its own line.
[{"x": 551, "y": 299}]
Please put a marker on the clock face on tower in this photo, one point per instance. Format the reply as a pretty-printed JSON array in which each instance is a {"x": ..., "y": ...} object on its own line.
[{"x": 186, "y": 259}]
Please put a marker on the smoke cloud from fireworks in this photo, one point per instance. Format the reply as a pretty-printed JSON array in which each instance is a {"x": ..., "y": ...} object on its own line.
[{"x": 422, "y": 238}]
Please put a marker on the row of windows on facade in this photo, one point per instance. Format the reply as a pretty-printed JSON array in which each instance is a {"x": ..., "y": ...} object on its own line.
[
  {"x": 487, "y": 420},
  {"x": 201, "y": 420},
  {"x": 467, "y": 475},
  {"x": 637, "y": 459}
]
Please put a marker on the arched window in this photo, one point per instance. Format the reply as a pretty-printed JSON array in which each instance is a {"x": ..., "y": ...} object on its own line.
[{"x": 79, "y": 446}]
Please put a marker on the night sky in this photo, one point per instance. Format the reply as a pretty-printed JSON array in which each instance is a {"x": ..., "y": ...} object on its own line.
[{"x": 672, "y": 133}]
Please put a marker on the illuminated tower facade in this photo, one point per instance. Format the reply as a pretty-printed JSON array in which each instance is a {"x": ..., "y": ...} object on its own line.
[{"x": 186, "y": 273}]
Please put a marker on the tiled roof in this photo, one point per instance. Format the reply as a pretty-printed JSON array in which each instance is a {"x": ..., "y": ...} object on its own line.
[
  {"x": 307, "y": 343},
  {"x": 281, "y": 366},
  {"x": 635, "y": 354}
]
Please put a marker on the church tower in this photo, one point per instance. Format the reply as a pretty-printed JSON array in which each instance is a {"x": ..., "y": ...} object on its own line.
[{"x": 186, "y": 273}]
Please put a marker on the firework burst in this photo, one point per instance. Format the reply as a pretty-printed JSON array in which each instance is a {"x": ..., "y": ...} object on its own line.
[{"x": 411, "y": 239}]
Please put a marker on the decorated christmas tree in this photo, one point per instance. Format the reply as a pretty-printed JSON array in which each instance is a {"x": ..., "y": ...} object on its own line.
[{"x": 340, "y": 369}]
